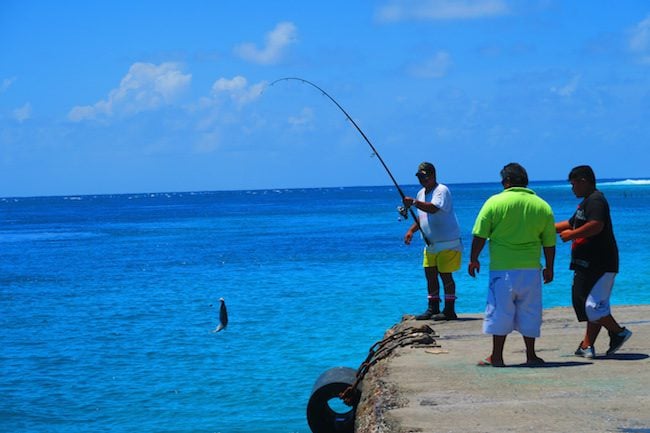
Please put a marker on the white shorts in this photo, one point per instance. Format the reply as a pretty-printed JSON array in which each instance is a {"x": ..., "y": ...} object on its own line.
[
  {"x": 597, "y": 305},
  {"x": 514, "y": 303}
]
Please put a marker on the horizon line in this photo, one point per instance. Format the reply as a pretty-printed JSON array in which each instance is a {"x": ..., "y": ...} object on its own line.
[{"x": 606, "y": 181}]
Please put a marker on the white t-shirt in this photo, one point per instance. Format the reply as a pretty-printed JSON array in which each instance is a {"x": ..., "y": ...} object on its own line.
[{"x": 440, "y": 228}]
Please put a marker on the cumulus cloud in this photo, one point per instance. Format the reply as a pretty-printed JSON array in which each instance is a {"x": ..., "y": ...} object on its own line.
[
  {"x": 276, "y": 42},
  {"x": 23, "y": 113},
  {"x": 434, "y": 67},
  {"x": 145, "y": 87},
  {"x": 639, "y": 40},
  {"x": 434, "y": 10},
  {"x": 238, "y": 90}
]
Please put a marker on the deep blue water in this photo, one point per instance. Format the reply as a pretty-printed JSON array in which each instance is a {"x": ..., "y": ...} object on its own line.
[{"x": 107, "y": 302}]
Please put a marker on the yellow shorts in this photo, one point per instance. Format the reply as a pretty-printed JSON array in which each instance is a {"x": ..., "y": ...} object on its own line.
[{"x": 446, "y": 260}]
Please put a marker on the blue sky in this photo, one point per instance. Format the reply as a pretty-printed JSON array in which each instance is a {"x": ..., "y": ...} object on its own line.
[{"x": 151, "y": 96}]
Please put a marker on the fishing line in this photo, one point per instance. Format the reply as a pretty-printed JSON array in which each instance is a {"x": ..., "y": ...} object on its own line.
[{"x": 374, "y": 150}]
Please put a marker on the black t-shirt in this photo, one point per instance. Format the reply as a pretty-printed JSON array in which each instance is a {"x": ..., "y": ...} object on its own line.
[{"x": 597, "y": 253}]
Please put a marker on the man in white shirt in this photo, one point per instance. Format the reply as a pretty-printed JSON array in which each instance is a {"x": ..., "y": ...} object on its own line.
[{"x": 441, "y": 232}]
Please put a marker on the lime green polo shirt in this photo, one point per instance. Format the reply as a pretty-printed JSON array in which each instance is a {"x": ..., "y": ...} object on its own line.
[{"x": 518, "y": 224}]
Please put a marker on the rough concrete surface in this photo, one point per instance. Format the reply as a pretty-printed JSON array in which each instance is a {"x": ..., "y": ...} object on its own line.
[{"x": 440, "y": 388}]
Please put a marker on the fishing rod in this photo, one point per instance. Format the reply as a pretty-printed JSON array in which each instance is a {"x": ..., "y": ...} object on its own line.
[{"x": 401, "y": 209}]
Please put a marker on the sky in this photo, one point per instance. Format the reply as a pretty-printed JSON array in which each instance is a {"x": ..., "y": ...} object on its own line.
[{"x": 163, "y": 96}]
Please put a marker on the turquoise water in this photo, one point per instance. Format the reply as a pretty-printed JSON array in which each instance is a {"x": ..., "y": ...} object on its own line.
[{"x": 107, "y": 302}]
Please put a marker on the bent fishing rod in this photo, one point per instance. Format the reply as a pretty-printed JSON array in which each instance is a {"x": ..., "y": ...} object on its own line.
[{"x": 402, "y": 211}]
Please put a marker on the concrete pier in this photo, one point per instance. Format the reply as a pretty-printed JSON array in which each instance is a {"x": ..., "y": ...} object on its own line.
[{"x": 441, "y": 389}]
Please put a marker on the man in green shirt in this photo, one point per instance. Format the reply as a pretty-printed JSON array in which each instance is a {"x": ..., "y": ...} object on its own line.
[{"x": 519, "y": 225}]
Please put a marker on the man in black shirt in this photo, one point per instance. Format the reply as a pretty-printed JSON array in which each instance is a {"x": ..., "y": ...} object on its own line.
[{"x": 594, "y": 260}]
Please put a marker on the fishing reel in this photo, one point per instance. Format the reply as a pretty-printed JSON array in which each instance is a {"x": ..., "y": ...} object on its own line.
[{"x": 403, "y": 212}]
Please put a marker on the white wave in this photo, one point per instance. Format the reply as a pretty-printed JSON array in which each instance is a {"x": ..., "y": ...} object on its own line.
[
  {"x": 6, "y": 237},
  {"x": 626, "y": 182}
]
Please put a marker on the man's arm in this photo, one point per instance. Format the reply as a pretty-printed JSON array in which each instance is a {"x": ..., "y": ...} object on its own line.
[
  {"x": 588, "y": 229},
  {"x": 562, "y": 226},
  {"x": 474, "y": 266},
  {"x": 421, "y": 205},
  {"x": 549, "y": 256},
  {"x": 409, "y": 233},
  {"x": 425, "y": 206}
]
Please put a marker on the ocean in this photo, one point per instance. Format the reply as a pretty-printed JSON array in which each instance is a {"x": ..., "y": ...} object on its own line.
[{"x": 107, "y": 302}]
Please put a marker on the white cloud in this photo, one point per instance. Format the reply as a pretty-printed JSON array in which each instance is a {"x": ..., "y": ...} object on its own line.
[
  {"x": 6, "y": 83},
  {"x": 276, "y": 40},
  {"x": 226, "y": 85},
  {"x": 145, "y": 87},
  {"x": 434, "y": 10},
  {"x": 569, "y": 89},
  {"x": 639, "y": 41},
  {"x": 222, "y": 105},
  {"x": 23, "y": 113},
  {"x": 434, "y": 67},
  {"x": 238, "y": 90}
]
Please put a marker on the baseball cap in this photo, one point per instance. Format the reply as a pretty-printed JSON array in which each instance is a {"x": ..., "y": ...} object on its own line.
[{"x": 426, "y": 169}]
